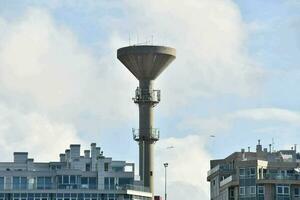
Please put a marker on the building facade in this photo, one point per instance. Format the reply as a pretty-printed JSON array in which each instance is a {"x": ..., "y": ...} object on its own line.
[
  {"x": 74, "y": 177},
  {"x": 260, "y": 175}
]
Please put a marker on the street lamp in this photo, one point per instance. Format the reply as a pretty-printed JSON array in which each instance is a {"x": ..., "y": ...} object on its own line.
[{"x": 166, "y": 165}]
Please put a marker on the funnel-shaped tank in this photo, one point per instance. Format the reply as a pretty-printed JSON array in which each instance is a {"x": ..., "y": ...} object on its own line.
[{"x": 146, "y": 62}]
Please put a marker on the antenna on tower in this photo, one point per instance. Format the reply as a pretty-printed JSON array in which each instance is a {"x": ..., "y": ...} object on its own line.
[{"x": 273, "y": 144}]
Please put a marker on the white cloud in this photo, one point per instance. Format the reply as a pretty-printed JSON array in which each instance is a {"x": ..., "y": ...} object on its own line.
[
  {"x": 210, "y": 39},
  {"x": 188, "y": 166},
  {"x": 272, "y": 114},
  {"x": 34, "y": 133},
  {"x": 223, "y": 123},
  {"x": 44, "y": 69}
]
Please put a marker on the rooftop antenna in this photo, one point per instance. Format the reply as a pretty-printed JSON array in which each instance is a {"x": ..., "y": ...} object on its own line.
[{"x": 146, "y": 63}]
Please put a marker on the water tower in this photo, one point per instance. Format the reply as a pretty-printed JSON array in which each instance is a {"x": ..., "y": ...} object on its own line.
[{"x": 146, "y": 62}]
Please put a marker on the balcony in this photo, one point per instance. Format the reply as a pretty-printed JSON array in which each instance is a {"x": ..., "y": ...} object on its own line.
[
  {"x": 146, "y": 96},
  {"x": 276, "y": 177},
  {"x": 224, "y": 169},
  {"x": 139, "y": 134},
  {"x": 135, "y": 188},
  {"x": 232, "y": 180},
  {"x": 213, "y": 170}
]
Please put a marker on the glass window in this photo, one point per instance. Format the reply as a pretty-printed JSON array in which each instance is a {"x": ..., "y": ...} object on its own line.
[
  {"x": 242, "y": 171},
  {"x": 252, "y": 171},
  {"x": 129, "y": 181},
  {"x": 252, "y": 189},
  {"x": 106, "y": 167},
  {"x": 48, "y": 182},
  {"x": 1, "y": 183},
  {"x": 296, "y": 192},
  {"x": 92, "y": 183},
  {"x": 283, "y": 189},
  {"x": 60, "y": 180},
  {"x": 40, "y": 182},
  {"x": 66, "y": 179},
  {"x": 16, "y": 182},
  {"x": 261, "y": 190},
  {"x": 286, "y": 190},
  {"x": 23, "y": 183},
  {"x": 87, "y": 167},
  {"x": 72, "y": 179},
  {"x": 279, "y": 190},
  {"x": 242, "y": 190},
  {"x": 112, "y": 183},
  {"x": 106, "y": 183},
  {"x": 84, "y": 182}
]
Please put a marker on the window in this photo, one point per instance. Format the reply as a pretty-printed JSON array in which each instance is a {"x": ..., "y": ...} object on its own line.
[
  {"x": 66, "y": 179},
  {"x": 109, "y": 183},
  {"x": 261, "y": 190},
  {"x": 92, "y": 183},
  {"x": 40, "y": 182},
  {"x": 286, "y": 190},
  {"x": 252, "y": 189},
  {"x": 72, "y": 179},
  {"x": 252, "y": 171},
  {"x": 125, "y": 181},
  {"x": 112, "y": 183},
  {"x": 19, "y": 182},
  {"x": 87, "y": 167},
  {"x": 296, "y": 192},
  {"x": 1, "y": 183},
  {"x": 283, "y": 189},
  {"x": 242, "y": 171},
  {"x": 106, "y": 183},
  {"x": 242, "y": 190},
  {"x": 106, "y": 167},
  {"x": 48, "y": 183}
]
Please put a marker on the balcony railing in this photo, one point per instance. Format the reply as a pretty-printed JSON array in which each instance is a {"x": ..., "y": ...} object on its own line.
[
  {"x": 221, "y": 168},
  {"x": 276, "y": 176},
  {"x": 227, "y": 180},
  {"x": 139, "y": 134},
  {"x": 135, "y": 187},
  {"x": 142, "y": 95}
]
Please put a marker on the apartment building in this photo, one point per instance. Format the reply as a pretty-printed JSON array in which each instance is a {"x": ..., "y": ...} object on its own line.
[
  {"x": 91, "y": 176},
  {"x": 264, "y": 174}
]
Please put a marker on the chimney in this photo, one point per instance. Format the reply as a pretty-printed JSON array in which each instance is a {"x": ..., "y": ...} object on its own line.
[
  {"x": 67, "y": 153},
  {"x": 258, "y": 147},
  {"x": 62, "y": 157},
  {"x": 98, "y": 151},
  {"x": 86, "y": 153},
  {"x": 270, "y": 148},
  {"x": 93, "y": 156},
  {"x": 20, "y": 157},
  {"x": 74, "y": 151},
  {"x": 243, "y": 154}
]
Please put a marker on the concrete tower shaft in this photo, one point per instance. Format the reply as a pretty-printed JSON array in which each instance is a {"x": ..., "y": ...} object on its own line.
[{"x": 146, "y": 63}]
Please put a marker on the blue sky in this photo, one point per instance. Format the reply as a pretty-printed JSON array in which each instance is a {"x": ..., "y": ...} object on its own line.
[{"x": 235, "y": 77}]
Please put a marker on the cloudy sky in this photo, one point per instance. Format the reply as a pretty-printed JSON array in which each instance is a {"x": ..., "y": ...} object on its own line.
[{"x": 235, "y": 77}]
